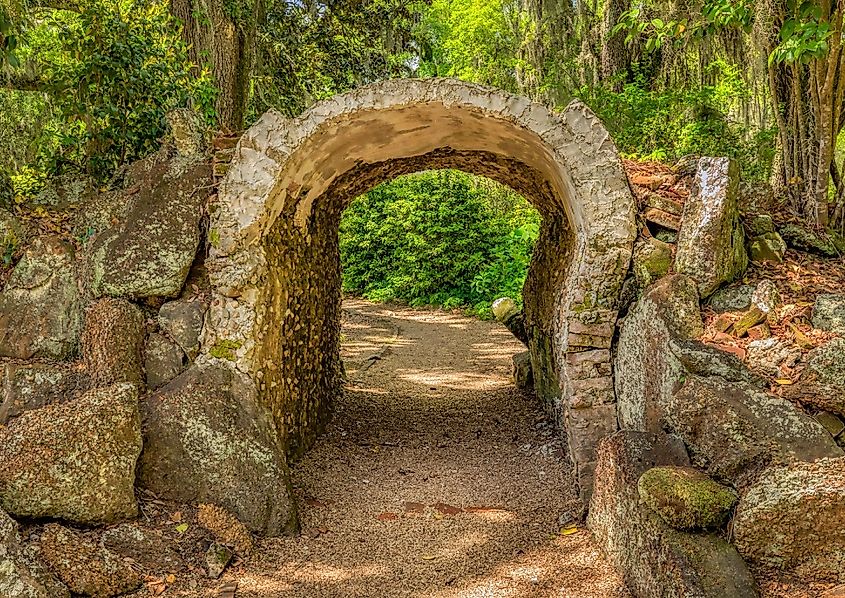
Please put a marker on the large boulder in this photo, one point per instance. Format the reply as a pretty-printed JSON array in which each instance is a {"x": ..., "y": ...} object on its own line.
[
  {"x": 829, "y": 313},
  {"x": 793, "y": 519},
  {"x": 657, "y": 348},
  {"x": 711, "y": 246},
  {"x": 822, "y": 383},
  {"x": 113, "y": 342},
  {"x": 811, "y": 241},
  {"x": 656, "y": 560},
  {"x": 21, "y": 574},
  {"x": 208, "y": 440},
  {"x": 84, "y": 565},
  {"x": 74, "y": 461},
  {"x": 40, "y": 313},
  {"x": 150, "y": 252},
  {"x": 26, "y": 386},
  {"x": 733, "y": 430}
]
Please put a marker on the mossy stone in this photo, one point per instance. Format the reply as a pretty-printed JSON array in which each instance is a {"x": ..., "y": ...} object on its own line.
[{"x": 685, "y": 498}]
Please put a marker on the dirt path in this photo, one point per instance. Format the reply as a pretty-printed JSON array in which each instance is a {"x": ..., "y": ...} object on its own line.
[{"x": 436, "y": 478}]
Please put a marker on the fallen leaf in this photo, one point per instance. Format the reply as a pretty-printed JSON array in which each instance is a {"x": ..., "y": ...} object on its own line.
[
  {"x": 428, "y": 557},
  {"x": 170, "y": 579},
  {"x": 387, "y": 516},
  {"x": 568, "y": 531},
  {"x": 446, "y": 509},
  {"x": 783, "y": 381},
  {"x": 182, "y": 528}
]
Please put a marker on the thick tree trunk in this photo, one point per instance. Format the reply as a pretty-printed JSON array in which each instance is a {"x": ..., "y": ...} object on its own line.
[
  {"x": 614, "y": 54},
  {"x": 222, "y": 39}
]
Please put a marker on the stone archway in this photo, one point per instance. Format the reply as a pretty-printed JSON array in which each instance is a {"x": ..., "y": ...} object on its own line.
[{"x": 274, "y": 263}]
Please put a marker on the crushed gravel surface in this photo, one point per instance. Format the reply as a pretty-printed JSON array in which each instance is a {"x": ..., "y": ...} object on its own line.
[{"x": 436, "y": 478}]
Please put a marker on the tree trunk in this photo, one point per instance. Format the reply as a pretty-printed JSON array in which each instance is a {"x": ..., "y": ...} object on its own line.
[
  {"x": 221, "y": 37},
  {"x": 614, "y": 54}
]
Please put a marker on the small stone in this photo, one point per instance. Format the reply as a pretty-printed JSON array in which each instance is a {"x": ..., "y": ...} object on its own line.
[
  {"x": 766, "y": 297},
  {"x": 163, "y": 360},
  {"x": 732, "y": 298},
  {"x": 829, "y": 313},
  {"x": 749, "y": 319},
  {"x": 83, "y": 565},
  {"x": 685, "y": 498},
  {"x": 148, "y": 548},
  {"x": 831, "y": 423},
  {"x": 182, "y": 321},
  {"x": 769, "y": 247},
  {"x": 216, "y": 559},
  {"x": 113, "y": 341},
  {"x": 761, "y": 224}
]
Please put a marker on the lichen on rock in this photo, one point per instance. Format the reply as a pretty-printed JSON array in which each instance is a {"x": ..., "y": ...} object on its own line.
[{"x": 685, "y": 498}]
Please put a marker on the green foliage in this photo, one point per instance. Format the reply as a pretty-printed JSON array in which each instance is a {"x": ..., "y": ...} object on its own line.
[
  {"x": 803, "y": 36},
  {"x": 438, "y": 238},
  {"x": 668, "y": 124}
]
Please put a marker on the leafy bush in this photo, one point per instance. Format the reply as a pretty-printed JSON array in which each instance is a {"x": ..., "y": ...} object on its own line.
[{"x": 438, "y": 238}]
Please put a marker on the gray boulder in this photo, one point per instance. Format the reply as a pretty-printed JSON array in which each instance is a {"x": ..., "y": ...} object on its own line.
[
  {"x": 811, "y": 241},
  {"x": 85, "y": 566},
  {"x": 733, "y": 430},
  {"x": 163, "y": 360},
  {"x": 656, "y": 560},
  {"x": 146, "y": 547},
  {"x": 733, "y": 298},
  {"x": 150, "y": 252},
  {"x": 182, "y": 321},
  {"x": 792, "y": 519},
  {"x": 829, "y": 313},
  {"x": 769, "y": 247},
  {"x": 40, "y": 313},
  {"x": 208, "y": 440},
  {"x": 73, "y": 461},
  {"x": 822, "y": 383},
  {"x": 26, "y": 386},
  {"x": 21, "y": 574},
  {"x": 711, "y": 247}
]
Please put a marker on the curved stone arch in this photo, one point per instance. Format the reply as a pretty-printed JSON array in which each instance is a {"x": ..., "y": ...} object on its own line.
[{"x": 273, "y": 261}]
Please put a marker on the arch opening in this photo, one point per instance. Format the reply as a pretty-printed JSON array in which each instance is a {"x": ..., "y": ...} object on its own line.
[{"x": 275, "y": 266}]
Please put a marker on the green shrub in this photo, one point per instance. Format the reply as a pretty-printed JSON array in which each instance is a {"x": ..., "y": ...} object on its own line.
[{"x": 441, "y": 238}]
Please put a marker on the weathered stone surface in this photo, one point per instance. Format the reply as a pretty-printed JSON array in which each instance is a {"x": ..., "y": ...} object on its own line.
[
  {"x": 40, "y": 306},
  {"x": 274, "y": 221},
  {"x": 733, "y": 431},
  {"x": 761, "y": 224},
  {"x": 704, "y": 360},
  {"x": 807, "y": 240},
  {"x": 822, "y": 383},
  {"x": 522, "y": 377},
  {"x": 66, "y": 191},
  {"x": 163, "y": 360},
  {"x": 767, "y": 355},
  {"x": 506, "y": 312},
  {"x": 26, "y": 386},
  {"x": 711, "y": 247},
  {"x": 732, "y": 298},
  {"x": 793, "y": 519},
  {"x": 217, "y": 557},
  {"x": 832, "y": 423},
  {"x": 769, "y": 247},
  {"x": 12, "y": 232},
  {"x": 21, "y": 574},
  {"x": 655, "y": 560},
  {"x": 150, "y": 252},
  {"x": 74, "y": 461},
  {"x": 646, "y": 370},
  {"x": 182, "y": 321},
  {"x": 148, "y": 548},
  {"x": 652, "y": 259},
  {"x": 207, "y": 440},
  {"x": 766, "y": 297},
  {"x": 113, "y": 342},
  {"x": 829, "y": 313},
  {"x": 685, "y": 498},
  {"x": 86, "y": 567}
]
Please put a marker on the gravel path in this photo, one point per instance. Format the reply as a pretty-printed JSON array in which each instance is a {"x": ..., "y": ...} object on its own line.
[{"x": 436, "y": 477}]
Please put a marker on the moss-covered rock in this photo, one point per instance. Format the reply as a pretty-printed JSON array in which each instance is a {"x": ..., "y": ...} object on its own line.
[
  {"x": 74, "y": 461},
  {"x": 21, "y": 574},
  {"x": 652, "y": 260},
  {"x": 732, "y": 298},
  {"x": 829, "y": 313},
  {"x": 685, "y": 498},
  {"x": 811, "y": 241},
  {"x": 769, "y": 247}
]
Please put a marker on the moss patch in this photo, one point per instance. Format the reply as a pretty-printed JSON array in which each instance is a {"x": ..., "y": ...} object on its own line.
[
  {"x": 225, "y": 349},
  {"x": 685, "y": 498}
]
